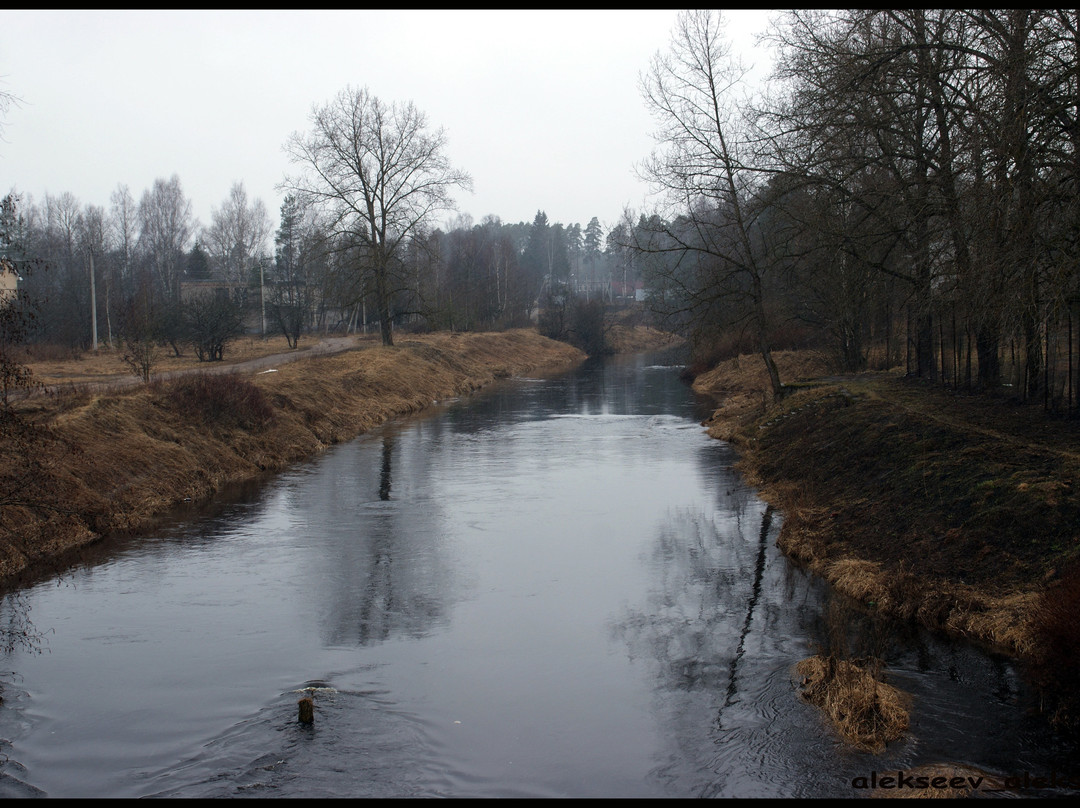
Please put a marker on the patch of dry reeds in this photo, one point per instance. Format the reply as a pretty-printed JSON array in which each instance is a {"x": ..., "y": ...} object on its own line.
[
  {"x": 1000, "y": 620},
  {"x": 865, "y": 711},
  {"x": 746, "y": 373},
  {"x": 742, "y": 390}
]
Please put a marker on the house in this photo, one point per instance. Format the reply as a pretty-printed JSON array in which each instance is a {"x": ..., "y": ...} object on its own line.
[
  {"x": 9, "y": 280},
  {"x": 628, "y": 290}
]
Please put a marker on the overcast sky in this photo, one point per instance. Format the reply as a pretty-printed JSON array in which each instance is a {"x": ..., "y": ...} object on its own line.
[{"x": 542, "y": 108}]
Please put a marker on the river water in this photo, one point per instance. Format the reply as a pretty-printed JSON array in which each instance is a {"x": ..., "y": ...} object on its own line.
[{"x": 556, "y": 587}]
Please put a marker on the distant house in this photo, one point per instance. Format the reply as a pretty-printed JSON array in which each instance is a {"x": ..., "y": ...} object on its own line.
[
  {"x": 632, "y": 290},
  {"x": 9, "y": 280}
]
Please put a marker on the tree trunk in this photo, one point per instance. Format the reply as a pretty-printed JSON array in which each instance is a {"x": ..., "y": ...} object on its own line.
[
  {"x": 763, "y": 341},
  {"x": 382, "y": 295},
  {"x": 987, "y": 343}
]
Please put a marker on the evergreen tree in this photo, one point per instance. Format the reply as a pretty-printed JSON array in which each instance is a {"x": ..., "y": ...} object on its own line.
[
  {"x": 558, "y": 253},
  {"x": 198, "y": 263},
  {"x": 593, "y": 240},
  {"x": 534, "y": 260}
]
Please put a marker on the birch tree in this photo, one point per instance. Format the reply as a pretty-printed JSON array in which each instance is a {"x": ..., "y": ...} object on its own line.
[{"x": 237, "y": 234}]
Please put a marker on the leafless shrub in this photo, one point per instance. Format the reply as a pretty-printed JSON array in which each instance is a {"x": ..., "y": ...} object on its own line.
[{"x": 223, "y": 399}]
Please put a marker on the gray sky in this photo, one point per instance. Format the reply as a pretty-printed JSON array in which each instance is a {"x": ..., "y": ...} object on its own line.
[{"x": 542, "y": 108}]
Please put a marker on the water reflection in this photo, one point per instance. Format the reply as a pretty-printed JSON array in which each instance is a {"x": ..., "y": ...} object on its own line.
[
  {"x": 751, "y": 605},
  {"x": 380, "y": 570},
  {"x": 721, "y": 627},
  {"x": 384, "y": 474}
]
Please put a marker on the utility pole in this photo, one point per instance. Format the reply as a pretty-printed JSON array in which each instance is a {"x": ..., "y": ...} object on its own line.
[
  {"x": 93, "y": 302},
  {"x": 262, "y": 294}
]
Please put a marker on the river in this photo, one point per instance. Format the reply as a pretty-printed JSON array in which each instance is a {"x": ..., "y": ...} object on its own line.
[{"x": 558, "y": 587}]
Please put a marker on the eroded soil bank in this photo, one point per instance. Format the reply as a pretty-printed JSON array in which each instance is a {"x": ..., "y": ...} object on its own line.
[{"x": 107, "y": 462}]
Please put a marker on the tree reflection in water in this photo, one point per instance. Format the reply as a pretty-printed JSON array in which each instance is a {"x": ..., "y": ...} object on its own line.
[
  {"x": 381, "y": 569},
  {"x": 725, "y": 621}
]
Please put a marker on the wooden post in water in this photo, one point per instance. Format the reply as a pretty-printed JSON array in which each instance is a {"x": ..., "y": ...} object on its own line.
[{"x": 307, "y": 710}]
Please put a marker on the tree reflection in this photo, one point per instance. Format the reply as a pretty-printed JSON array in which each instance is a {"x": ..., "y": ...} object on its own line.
[
  {"x": 376, "y": 557},
  {"x": 709, "y": 583},
  {"x": 724, "y": 622},
  {"x": 751, "y": 604},
  {"x": 384, "y": 474},
  {"x": 17, "y": 631}
]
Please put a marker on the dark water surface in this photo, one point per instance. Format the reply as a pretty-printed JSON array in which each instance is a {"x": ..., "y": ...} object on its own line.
[{"x": 558, "y": 587}]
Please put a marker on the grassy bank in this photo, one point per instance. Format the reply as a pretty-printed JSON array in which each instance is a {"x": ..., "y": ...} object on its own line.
[
  {"x": 959, "y": 512},
  {"x": 637, "y": 338},
  {"x": 98, "y": 462}
]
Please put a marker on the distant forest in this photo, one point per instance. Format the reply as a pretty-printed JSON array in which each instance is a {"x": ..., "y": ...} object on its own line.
[{"x": 902, "y": 193}]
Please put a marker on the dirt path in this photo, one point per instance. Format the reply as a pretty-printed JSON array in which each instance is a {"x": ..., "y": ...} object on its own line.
[
  {"x": 324, "y": 347},
  {"x": 1024, "y": 427},
  {"x": 258, "y": 364}
]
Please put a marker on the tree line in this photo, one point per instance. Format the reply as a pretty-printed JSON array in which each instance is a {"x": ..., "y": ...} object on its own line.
[
  {"x": 145, "y": 277},
  {"x": 903, "y": 192}
]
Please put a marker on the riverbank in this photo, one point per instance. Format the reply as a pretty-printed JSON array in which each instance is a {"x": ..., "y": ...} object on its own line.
[
  {"x": 101, "y": 462},
  {"x": 956, "y": 511}
]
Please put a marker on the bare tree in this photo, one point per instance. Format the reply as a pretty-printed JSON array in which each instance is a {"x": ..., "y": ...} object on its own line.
[
  {"x": 211, "y": 320},
  {"x": 124, "y": 230},
  {"x": 237, "y": 234},
  {"x": 17, "y": 312},
  {"x": 167, "y": 224},
  {"x": 95, "y": 247},
  {"x": 380, "y": 174},
  {"x": 948, "y": 137},
  {"x": 299, "y": 270},
  {"x": 7, "y": 101},
  {"x": 703, "y": 173},
  {"x": 237, "y": 239}
]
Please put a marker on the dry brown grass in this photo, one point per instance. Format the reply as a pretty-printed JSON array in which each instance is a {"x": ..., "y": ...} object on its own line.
[
  {"x": 940, "y": 781},
  {"x": 126, "y": 456},
  {"x": 1000, "y": 619},
  {"x": 637, "y": 338},
  {"x": 954, "y": 511},
  {"x": 741, "y": 387},
  {"x": 865, "y": 711},
  {"x": 858, "y": 579},
  {"x": 1057, "y": 652},
  {"x": 107, "y": 365}
]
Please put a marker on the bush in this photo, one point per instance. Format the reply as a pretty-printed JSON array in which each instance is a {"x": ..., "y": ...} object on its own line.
[
  {"x": 587, "y": 327},
  {"x": 222, "y": 399},
  {"x": 574, "y": 320},
  {"x": 210, "y": 321}
]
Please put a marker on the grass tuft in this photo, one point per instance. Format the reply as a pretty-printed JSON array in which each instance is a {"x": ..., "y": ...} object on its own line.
[{"x": 865, "y": 711}]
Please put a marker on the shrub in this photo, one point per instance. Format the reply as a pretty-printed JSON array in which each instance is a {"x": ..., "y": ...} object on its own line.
[
  {"x": 586, "y": 327},
  {"x": 223, "y": 399},
  {"x": 867, "y": 712},
  {"x": 210, "y": 321}
]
